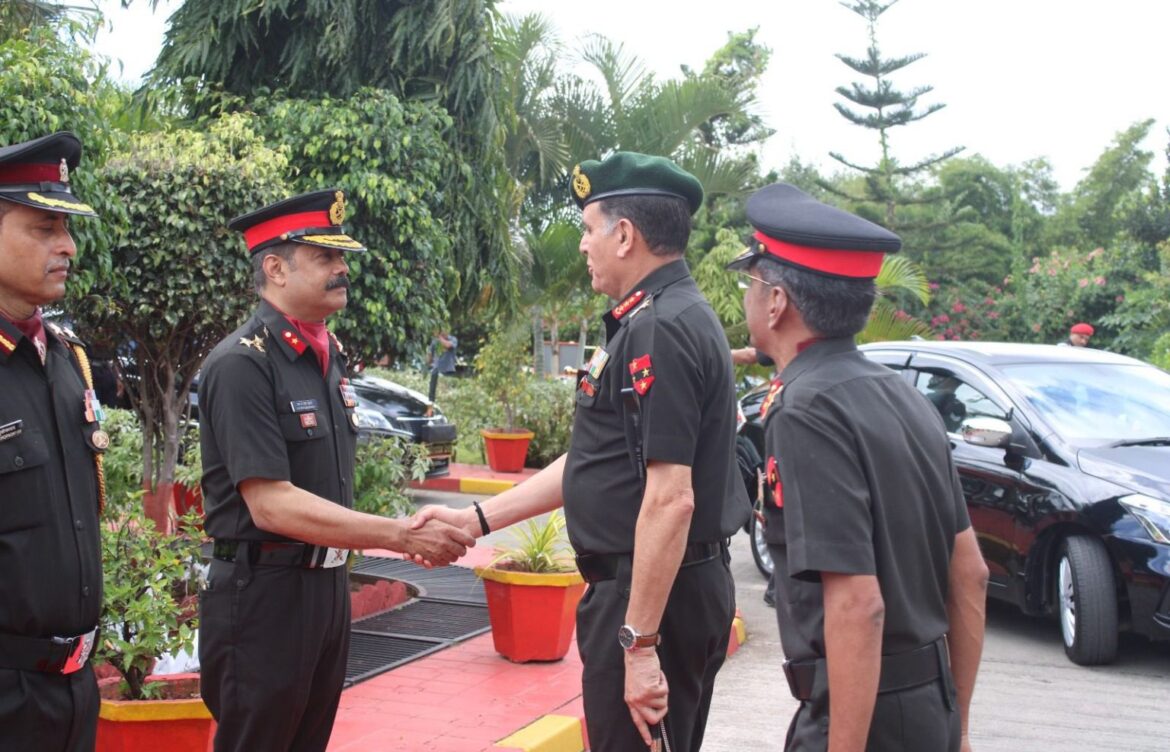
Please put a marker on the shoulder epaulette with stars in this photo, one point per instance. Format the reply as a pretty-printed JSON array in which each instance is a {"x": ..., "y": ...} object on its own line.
[{"x": 64, "y": 333}]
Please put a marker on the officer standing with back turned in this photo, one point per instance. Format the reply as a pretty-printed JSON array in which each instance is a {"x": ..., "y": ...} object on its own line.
[
  {"x": 880, "y": 584},
  {"x": 51, "y": 441},
  {"x": 650, "y": 484}
]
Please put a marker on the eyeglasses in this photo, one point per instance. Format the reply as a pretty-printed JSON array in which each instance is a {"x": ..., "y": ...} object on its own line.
[{"x": 745, "y": 284}]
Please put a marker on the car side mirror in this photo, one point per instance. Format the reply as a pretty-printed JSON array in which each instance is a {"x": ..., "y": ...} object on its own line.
[{"x": 986, "y": 432}]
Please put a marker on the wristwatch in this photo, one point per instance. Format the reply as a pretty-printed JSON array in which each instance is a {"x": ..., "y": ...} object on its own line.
[{"x": 631, "y": 639}]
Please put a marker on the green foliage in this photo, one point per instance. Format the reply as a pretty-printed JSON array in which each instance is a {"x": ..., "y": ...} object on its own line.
[
  {"x": 382, "y": 471},
  {"x": 546, "y": 409},
  {"x": 391, "y": 160},
  {"x": 537, "y": 547},
  {"x": 149, "y": 579},
  {"x": 51, "y": 85},
  {"x": 173, "y": 280},
  {"x": 433, "y": 53},
  {"x": 499, "y": 366}
]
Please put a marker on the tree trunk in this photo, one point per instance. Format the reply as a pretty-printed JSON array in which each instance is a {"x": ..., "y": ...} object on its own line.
[
  {"x": 555, "y": 333},
  {"x": 581, "y": 340},
  {"x": 537, "y": 342}
]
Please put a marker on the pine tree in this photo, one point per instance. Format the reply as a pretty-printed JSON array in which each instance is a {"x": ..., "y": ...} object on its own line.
[{"x": 881, "y": 107}]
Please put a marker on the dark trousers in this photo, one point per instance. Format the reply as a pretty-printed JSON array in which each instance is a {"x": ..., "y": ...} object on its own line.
[
  {"x": 919, "y": 719},
  {"x": 695, "y": 629},
  {"x": 434, "y": 386},
  {"x": 273, "y": 643},
  {"x": 48, "y": 712}
]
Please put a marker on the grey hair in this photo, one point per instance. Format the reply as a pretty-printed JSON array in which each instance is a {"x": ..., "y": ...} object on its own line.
[
  {"x": 284, "y": 250},
  {"x": 664, "y": 221},
  {"x": 830, "y": 306}
]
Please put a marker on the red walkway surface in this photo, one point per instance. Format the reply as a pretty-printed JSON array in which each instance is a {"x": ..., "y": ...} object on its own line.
[{"x": 462, "y": 699}]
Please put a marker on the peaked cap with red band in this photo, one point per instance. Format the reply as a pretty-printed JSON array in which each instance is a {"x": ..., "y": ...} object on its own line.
[
  {"x": 36, "y": 173},
  {"x": 310, "y": 218},
  {"x": 794, "y": 228}
]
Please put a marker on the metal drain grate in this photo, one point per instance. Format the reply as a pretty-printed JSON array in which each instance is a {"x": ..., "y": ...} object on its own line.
[
  {"x": 446, "y": 583},
  {"x": 451, "y": 607},
  {"x": 428, "y": 619},
  {"x": 371, "y": 654}
]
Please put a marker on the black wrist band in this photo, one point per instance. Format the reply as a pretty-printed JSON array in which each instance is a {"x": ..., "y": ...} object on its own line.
[{"x": 482, "y": 520}]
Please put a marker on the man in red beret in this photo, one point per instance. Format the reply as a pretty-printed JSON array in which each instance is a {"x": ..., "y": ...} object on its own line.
[{"x": 1078, "y": 334}]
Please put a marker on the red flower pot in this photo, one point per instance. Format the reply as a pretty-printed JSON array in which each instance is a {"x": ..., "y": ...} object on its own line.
[
  {"x": 187, "y": 499},
  {"x": 506, "y": 450},
  {"x": 151, "y": 725},
  {"x": 532, "y": 615}
]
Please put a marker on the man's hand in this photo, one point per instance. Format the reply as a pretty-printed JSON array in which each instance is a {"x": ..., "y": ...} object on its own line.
[
  {"x": 435, "y": 543},
  {"x": 646, "y": 690},
  {"x": 465, "y": 519},
  {"x": 965, "y": 745}
]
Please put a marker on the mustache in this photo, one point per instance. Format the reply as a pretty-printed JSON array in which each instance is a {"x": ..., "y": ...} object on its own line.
[
  {"x": 62, "y": 266},
  {"x": 339, "y": 281}
]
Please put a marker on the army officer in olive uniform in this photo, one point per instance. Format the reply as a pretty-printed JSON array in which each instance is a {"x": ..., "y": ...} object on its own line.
[
  {"x": 50, "y": 475},
  {"x": 880, "y": 585},
  {"x": 278, "y": 432},
  {"x": 650, "y": 485}
]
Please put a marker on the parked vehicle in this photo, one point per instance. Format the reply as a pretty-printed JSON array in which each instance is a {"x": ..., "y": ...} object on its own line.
[{"x": 1064, "y": 459}]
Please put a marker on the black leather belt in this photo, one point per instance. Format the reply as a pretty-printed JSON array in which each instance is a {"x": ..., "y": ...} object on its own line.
[
  {"x": 51, "y": 655},
  {"x": 281, "y": 553},
  {"x": 899, "y": 671},
  {"x": 601, "y": 567}
]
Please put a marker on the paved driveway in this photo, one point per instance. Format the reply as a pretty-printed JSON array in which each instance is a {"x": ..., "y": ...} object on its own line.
[{"x": 1029, "y": 698}]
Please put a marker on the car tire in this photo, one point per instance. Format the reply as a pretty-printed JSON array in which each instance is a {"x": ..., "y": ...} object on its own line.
[
  {"x": 1087, "y": 601},
  {"x": 760, "y": 553}
]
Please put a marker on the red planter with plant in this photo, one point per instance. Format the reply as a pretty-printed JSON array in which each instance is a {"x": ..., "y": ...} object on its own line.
[
  {"x": 176, "y": 725},
  {"x": 532, "y": 615}
]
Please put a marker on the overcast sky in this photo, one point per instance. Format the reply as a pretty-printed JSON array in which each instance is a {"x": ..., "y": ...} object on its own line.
[{"x": 1020, "y": 78}]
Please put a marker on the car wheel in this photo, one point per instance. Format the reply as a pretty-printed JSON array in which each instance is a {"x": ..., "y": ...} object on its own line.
[
  {"x": 1088, "y": 601},
  {"x": 760, "y": 552}
]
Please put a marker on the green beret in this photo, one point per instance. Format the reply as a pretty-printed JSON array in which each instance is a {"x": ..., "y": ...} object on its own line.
[{"x": 627, "y": 173}]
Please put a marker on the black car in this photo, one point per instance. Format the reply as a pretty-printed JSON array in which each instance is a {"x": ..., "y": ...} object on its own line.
[
  {"x": 387, "y": 409},
  {"x": 1064, "y": 458}
]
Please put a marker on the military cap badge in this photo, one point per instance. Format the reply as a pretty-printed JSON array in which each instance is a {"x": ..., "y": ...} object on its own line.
[
  {"x": 581, "y": 185},
  {"x": 337, "y": 208}
]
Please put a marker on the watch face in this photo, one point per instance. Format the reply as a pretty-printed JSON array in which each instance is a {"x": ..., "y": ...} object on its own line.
[{"x": 627, "y": 636}]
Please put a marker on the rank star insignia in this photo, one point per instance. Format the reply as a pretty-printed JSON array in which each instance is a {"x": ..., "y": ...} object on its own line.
[
  {"x": 642, "y": 371},
  {"x": 256, "y": 343}
]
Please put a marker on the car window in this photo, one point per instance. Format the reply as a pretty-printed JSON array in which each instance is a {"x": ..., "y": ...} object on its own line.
[
  {"x": 955, "y": 399},
  {"x": 1097, "y": 401}
]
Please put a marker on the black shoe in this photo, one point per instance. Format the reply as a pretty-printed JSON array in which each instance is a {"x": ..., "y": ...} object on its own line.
[{"x": 770, "y": 598}]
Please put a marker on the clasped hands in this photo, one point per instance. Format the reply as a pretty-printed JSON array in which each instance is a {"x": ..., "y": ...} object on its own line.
[{"x": 438, "y": 535}]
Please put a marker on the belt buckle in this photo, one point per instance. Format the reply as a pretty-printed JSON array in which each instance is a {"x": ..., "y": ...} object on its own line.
[
  {"x": 80, "y": 648},
  {"x": 324, "y": 557}
]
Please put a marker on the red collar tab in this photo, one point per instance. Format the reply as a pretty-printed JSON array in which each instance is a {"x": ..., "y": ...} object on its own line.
[
  {"x": 280, "y": 226},
  {"x": 766, "y": 405},
  {"x": 622, "y": 308},
  {"x": 9, "y": 335},
  {"x": 807, "y": 343},
  {"x": 773, "y": 480},
  {"x": 854, "y": 264},
  {"x": 292, "y": 340}
]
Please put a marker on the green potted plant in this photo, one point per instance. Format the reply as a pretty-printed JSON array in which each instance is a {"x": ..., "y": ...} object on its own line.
[
  {"x": 533, "y": 588},
  {"x": 150, "y": 580},
  {"x": 500, "y": 375}
]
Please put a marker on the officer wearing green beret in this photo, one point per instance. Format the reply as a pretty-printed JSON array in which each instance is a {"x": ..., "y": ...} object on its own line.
[
  {"x": 880, "y": 584},
  {"x": 50, "y": 463},
  {"x": 650, "y": 485}
]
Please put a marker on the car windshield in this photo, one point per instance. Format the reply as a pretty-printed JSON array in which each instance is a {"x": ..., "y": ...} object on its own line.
[{"x": 1097, "y": 402}]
